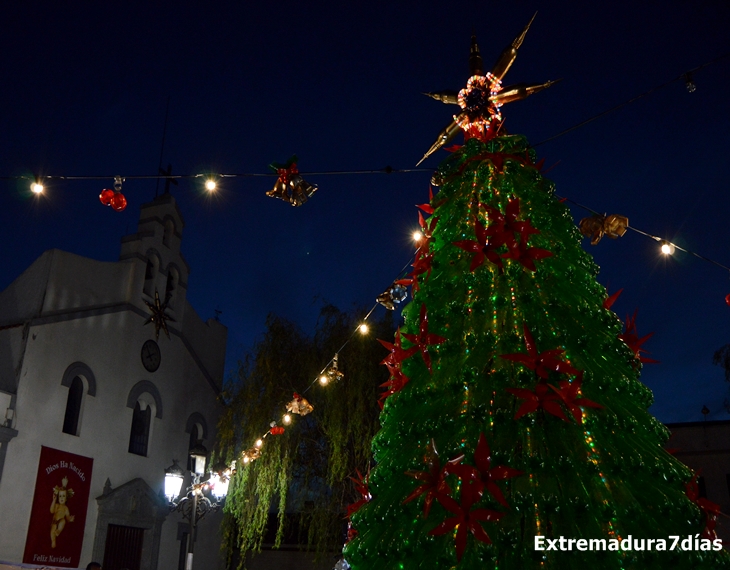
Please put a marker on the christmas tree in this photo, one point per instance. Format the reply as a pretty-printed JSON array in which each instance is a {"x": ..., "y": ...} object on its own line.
[{"x": 515, "y": 432}]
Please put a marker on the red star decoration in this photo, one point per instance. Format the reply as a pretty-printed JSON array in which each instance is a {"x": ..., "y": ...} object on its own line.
[
  {"x": 567, "y": 394},
  {"x": 708, "y": 508},
  {"x": 424, "y": 339},
  {"x": 434, "y": 484},
  {"x": 361, "y": 485},
  {"x": 484, "y": 474},
  {"x": 542, "y": 397},
  {"x": 482, "y": 248},
  {"x": 542, "y": 363},
  {"x": 632, "y": 340},
  {"x": 397, "y": 353},
  {"x": 395, "y": 383},
  {"x": 527, "y": 255},
  {"x": 466, "y": 519},
  {"x": 427, "y": 229},
  {"x": 421, "y": 265},
  {"x": 428, "y": 208},
  {"x": 504, "y": 226},
  {"x": 609, "y": 301}
]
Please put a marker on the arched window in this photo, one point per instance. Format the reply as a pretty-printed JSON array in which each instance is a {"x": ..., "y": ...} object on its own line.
[
  {"x": 146, "y": 403},
  {"x": 169, "y": 232},
  {"x": 195, "y": 436},
  {"x": 173, "y": 277},
  {"x": 150, "y": 274},
  {"x": 197, "y": 427},
  {"x": 140, "y": 432},
  {"x": 73, "y": 406},
  {"x": 80, "y": 381}
]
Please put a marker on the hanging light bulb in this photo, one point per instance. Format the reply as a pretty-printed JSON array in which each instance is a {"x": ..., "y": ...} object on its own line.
[
  {"x": 417, "y": 236},
  {"x": 363, "y": 328},
  {"x": 689, "y": 83},
  {"x": 286, "y": 419},
  {"x": 36, "y": 187},
  {"x": 210, "y": 185},
  {"x": 259, "y": 442},
  {"x": 331, "y": 374},
  {"x": 667, "y": 248}
]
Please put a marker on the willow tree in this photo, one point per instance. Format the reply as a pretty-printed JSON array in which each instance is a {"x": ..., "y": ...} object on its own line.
[{"x": 306, "y": 469}]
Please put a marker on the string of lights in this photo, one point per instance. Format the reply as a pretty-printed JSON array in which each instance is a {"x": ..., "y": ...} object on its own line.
[
  {"x": 329, "y": 374},
  {"x": 666, "y": 246},
  {"x": 210, "y": 179}
]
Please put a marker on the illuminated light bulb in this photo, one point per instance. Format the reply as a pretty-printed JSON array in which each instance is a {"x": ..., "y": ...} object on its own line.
[
  {"x": 246, "y": 459},
  {"x": 210, "y": 185},
  {"x": 287, "y": 419},
  {"x": 417, "y": 236},
  {"x": 36, "y": 188},
  {"x": 363, "y": 328},
  {"x": 667, "y": 248},
  {"x": 323, "y": 379},
  {"x": 259, "y": 442}
]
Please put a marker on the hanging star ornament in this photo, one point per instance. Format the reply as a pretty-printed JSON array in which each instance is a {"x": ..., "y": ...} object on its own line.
[
  {"x": 482, "y": 98},
  {"x": 158, "y": 316}
]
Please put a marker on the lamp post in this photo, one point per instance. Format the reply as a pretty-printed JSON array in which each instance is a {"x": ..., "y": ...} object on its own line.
[{"x": 195, "y": 504}]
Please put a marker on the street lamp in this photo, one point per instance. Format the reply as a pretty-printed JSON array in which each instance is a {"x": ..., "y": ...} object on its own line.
[{"x": 195, "y": 504}]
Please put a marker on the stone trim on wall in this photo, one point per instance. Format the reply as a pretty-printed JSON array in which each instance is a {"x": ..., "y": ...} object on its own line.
[
  {"x": 133, "y": 504},
  {"x": 80, "y": 369},
  {"x": 140, "y": 388},
  {"x": 197, "y": 418}
]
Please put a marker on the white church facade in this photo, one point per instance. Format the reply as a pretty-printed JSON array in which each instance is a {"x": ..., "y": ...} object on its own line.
[{"x": 93, "y": 405}]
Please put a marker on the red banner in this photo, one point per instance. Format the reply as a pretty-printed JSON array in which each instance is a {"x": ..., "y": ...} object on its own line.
[{"x": 57, "y": 520}]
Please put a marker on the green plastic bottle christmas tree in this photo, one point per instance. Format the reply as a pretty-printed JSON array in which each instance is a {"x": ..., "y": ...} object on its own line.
[{"x": 515, "y": 432}]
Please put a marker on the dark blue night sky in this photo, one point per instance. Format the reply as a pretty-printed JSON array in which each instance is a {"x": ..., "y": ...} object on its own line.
[{"x": 84, "y": 92}]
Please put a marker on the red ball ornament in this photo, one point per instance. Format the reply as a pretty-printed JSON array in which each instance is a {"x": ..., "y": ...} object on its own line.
[
  {"x": 727, "y": 298},
  {"x": 106, "y": 196},
  {"x": 118, "y": 202},
  {"x": 277, "y": 430}
]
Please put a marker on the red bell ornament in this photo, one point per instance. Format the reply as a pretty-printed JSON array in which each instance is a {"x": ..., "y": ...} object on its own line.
[
  {"x": 106, "y": 196},
  {"x": 118, "y": 202}
]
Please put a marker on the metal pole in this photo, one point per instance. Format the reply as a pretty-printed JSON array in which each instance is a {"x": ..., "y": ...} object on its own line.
[{"x": 191, "y": 538}]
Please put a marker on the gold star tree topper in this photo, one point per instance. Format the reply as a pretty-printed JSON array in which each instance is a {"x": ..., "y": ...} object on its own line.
[{"x": 480, "y": 101}]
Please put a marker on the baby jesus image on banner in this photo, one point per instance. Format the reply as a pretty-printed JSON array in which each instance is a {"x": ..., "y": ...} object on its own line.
[{"x": 58, "y": 516}]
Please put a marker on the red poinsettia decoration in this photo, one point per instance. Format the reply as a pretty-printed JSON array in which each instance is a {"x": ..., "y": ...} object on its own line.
[
  {"x": 609, "y": 301},
  {"x": 428, "y": 207},
  {"x": 421, "y": 265},
  {"x": 709, "y": 509},
  {"x": 484, "y": 248},
  {"x": 424, "y": 338},
  {"x": 434, "y": 483},
  {"x": 567, "y": 394},
  {"x": 483, "y": 474},
  {"x": 542, "y": 398},
  {"x": 397, "y": 353},
  {"x": 465, "y": 519},
  {"x": 542, "y": 363},
  {"x": 632, "y": 340},
  {"x": 527, "y": 256},
  {"x": 505, "y": 228},
  {"x": 427, "y": 229},
  {"x": 395, "y": 383},
  {"x": 361, "y": 485}
]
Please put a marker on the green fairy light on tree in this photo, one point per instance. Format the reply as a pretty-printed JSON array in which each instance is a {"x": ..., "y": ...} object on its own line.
[{"x": 514, "y": 408}]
